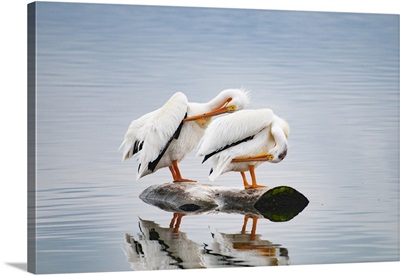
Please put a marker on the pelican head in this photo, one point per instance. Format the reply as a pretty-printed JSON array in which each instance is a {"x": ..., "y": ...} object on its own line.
[
  {"x": 277, "y": 154},
  {"x": 235, "y": 99},
  {"x": 227, "y": 101}
]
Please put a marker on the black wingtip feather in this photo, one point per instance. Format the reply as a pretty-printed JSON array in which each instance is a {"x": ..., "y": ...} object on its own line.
[
  {"x": 206, "y": 158},
  {"x": 152, "y": 164},
  {"x": 226, "y": 147}
]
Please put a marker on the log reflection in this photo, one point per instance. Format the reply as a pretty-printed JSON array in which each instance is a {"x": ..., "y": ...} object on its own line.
[
  {"x": 158, "y": 247},
  {"x": 162, "y": 248}
]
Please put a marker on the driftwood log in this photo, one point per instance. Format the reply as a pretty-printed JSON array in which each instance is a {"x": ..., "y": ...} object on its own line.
[{"x": 277, "y": 204}]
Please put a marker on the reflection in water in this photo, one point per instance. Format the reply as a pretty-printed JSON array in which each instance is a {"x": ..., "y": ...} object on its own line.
[
  {"x": 176, "y": 221},
  {"x": 157, "y": 248},
  {"x": 248, "y": 249},
  {"x": 162, "y": 248}
]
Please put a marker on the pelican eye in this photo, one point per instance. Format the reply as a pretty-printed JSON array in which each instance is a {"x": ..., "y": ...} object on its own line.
[
  {"x": 231, "y": 108},
  {"x": 283, "y": 154}
]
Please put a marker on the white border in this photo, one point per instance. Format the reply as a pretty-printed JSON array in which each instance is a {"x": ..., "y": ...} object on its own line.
[{"x": 13, "y": 125}]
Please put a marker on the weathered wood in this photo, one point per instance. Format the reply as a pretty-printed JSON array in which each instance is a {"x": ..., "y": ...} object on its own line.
[{"x": 281, "y": 203}]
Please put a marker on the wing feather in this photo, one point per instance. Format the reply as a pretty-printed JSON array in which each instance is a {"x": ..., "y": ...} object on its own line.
[
  {"x": 133, "y": 142},
  {"x": 160, "y": 128},
  {"x": 233, "y": 128},
  {"x": 151, "y": 132}
]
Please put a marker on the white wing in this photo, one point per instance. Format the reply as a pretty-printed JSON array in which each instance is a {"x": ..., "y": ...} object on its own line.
[
  {"x": 233, "y": 128},
  {"x": 152, "y": 132},
  {"x": 132, "y": 140}
]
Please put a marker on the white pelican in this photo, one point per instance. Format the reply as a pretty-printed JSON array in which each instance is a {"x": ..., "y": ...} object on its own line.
[
  {"x": 242, "y": 141},
  {"x": 165, "y": 136}
]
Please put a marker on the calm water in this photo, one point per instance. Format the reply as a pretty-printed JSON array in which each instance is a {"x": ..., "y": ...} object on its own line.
[{"x": 333, "y": 77}]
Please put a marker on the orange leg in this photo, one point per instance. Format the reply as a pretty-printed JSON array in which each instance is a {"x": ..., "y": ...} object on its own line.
[
  {"x": 253, "y": 228},
  {"x": 172, "y": 170},
  {"x": 245, "y": 183},
  {"x": 253, "y": 179},
  {"x": 171, "y": 224},
  {"x": 246, "y": 218},
  {"x": 176, "y": 174},
  {"x": 176, "y": 221}
]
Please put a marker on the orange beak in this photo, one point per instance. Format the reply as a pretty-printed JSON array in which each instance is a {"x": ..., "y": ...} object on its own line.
[
  {"x": 224, "y": 109},
  {"x": 219, "y": 111}
]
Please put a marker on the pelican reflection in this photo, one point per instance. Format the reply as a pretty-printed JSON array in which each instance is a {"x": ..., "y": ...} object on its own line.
[
  {"x": 158, "y": 248},
  {"x": 176, "y": 221},
  {"x": 248, "y": 248},
  {"x": 162, "y": 248}
]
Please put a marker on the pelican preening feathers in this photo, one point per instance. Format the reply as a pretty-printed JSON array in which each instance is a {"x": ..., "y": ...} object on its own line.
[
  {"x": 239, "y": 141},
  {"x": 165, "y": 136},
  {"x": 242, "y": 141}
]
